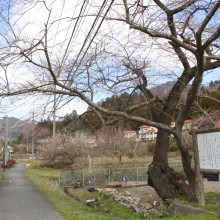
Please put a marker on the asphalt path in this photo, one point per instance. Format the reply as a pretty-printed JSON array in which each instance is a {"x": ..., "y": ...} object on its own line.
[{"x": 21, "y": 200}]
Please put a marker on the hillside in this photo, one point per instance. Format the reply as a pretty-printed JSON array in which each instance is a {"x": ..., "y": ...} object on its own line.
[{"x": 15, "y": 127}]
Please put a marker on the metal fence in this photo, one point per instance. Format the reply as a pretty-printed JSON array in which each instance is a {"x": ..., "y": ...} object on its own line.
[{"x": 101, "y": 177}]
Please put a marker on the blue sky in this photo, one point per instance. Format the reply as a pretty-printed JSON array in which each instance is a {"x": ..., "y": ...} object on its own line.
[{"x": 25, "y": 111}]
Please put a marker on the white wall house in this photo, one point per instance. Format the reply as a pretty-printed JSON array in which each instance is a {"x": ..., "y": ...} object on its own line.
[
  {"x": 147, "y": 133},
  {"x": 186, "y": 126}
]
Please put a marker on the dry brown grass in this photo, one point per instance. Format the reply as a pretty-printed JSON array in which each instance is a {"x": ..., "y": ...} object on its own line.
[{"x": 136, "y": 161}]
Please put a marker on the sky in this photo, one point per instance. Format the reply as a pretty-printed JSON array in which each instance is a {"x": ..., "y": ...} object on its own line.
[
  {"x": 34, "y": 20},
  {"x": 24, "y": 110},
  {"x": 34, "y": 24}
]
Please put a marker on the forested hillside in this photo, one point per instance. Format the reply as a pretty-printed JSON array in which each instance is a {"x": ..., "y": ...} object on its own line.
[{"x": 207, "y": 101}]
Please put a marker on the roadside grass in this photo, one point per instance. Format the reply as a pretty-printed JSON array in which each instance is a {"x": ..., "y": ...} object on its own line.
[
  {"x": 212, "y": 208},
  {"x": 208, "y": 216},
  {"x": 213, "y": 202},
  {"x": 72, "y": 209}
]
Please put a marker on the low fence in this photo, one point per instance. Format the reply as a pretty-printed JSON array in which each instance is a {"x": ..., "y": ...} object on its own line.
[{"x": 101, "y": 177}]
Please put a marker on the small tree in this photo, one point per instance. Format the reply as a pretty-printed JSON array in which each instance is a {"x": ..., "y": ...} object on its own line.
[
  {"x": 69, "y": 152},
  {"x": 111, "y": 142}
]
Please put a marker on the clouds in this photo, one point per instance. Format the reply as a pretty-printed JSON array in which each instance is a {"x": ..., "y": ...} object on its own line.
[
  {"x": 72, "y": 42},
  {"x": 23, "y": 106}
]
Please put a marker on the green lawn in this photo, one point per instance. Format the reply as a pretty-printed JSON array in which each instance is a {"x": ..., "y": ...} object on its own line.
[
  {"x": 70, "y": 208},
  {"x": 104, "y": 208}
]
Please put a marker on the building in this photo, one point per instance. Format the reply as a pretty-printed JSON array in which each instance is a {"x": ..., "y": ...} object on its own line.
[
  {"x": 217, "y": 125},
  {"x": 150, "y": 133},
  {"x": 186, "y": 126},
  {"x": 210, "y": 121},
  {"x": 147, "y": 133}
]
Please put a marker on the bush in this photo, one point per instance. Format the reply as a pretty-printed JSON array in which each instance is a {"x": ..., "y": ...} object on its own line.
[
  {"x": 151, "y": 146},
  {"x": 36, "y": 164},
  {"x": 172, "y": 145},
  {"x": 142, "y": 149},
  {"x": 9, "y": 164}
]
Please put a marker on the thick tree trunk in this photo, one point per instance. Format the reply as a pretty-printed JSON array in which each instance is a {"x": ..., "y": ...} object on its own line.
[
  {"x": 190, "y": 174},
  {"x": 166, "y": 181}
]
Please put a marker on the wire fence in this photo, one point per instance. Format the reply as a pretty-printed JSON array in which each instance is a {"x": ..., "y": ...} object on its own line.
[{"x": 101, "y": 177}]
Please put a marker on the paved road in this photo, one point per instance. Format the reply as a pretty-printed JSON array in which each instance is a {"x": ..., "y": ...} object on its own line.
[{"x": 21, "y": 200}]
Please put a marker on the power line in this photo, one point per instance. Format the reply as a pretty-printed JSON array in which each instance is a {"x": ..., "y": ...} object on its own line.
[
  {"x": 58, "y": 26},
  {"x": 90, "y": 32},
  {"x": 82, "y": 9},
  {"x": 67, "y": 33},
  {"x": 80, "y": 25}
]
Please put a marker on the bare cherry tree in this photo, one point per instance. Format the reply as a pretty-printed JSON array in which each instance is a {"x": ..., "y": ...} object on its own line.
[
  {"x": 70, "y": 152},
  {"x": 159, "y": 41},
  {"x": 111, "y": 142}
]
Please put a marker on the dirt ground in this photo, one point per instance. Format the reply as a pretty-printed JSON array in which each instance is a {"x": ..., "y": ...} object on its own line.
[{"x": 210, "y": 186}]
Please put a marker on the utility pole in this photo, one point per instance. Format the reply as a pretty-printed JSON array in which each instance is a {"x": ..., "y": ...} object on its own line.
[
  {"x": 27, "y": 142},
  {"x": 54, "y": 124},
  {"x": 33, "y": 126},
  {"x": 6, "y": 141}
]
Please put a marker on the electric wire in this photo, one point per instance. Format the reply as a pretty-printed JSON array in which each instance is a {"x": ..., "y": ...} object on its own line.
[
  {"x": 89, "y": 33},
  {"x": 82, "y": 9}
]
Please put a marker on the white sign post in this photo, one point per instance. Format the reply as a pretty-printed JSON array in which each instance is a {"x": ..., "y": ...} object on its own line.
[
  {"x": 209, "y": 150},
  {"x": 207, "y": 157}
]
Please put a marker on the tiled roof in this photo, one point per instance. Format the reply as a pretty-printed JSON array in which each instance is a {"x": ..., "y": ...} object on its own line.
[
  {"x": 187, "y": 121},
  {"x": 151, "y": 131},
  {"x": 144, "y": 126},
  {"x": 207, "y": 121},
  {"x": 217, "y": 125}
]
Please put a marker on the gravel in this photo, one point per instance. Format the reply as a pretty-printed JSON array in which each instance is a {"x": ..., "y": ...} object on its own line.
[{"x": 210, "y": 186}]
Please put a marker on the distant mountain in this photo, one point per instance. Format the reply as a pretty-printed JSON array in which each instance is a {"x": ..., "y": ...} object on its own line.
[{"x": 15, "y": 127}]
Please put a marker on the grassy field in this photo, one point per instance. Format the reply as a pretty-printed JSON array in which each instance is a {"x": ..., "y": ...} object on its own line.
[
  {"x": 104, "y": 208},
  {"x": 71, "y": 208}
]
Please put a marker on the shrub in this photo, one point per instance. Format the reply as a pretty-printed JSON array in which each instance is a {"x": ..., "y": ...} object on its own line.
[
  {"x": 151, "y": 146},
  {"x": 172, "y": 145},
  {"x": 9, "y": 164}
]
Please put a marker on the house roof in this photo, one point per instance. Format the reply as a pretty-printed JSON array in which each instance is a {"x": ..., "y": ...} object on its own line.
[
  {"x": 151, "y": 131},
  {"x": 217, "y": 125},
  {"x": 144, "y": 126},
  {"x": 188, "y": 121},
  {"x": 208, "y": 121}
]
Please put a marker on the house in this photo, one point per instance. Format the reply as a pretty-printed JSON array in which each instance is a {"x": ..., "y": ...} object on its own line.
[
  {"x": 217, "y": 125},
  {"x": 147, "y": 132},
  {"x": 186, "y": 126},
  {"x": 207, "y": 121},
  {"x": 150, "y": 133}
]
